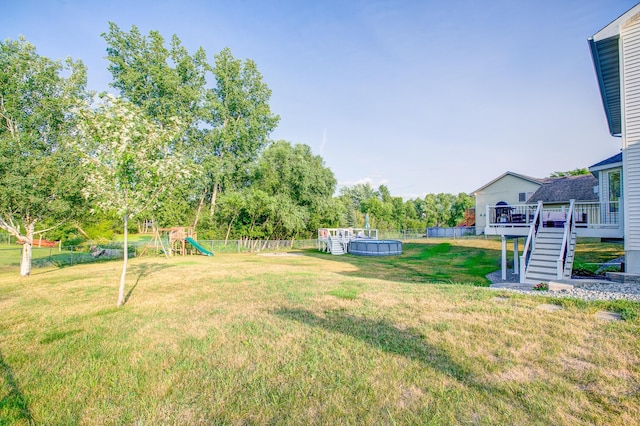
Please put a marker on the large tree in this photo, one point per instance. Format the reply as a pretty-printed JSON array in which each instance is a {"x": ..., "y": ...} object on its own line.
[
  {"x": 228, "y": 121},
  {"x": 130, "y": 161},
  {"x": 293, "y": 172},
  {"x": 241, "y": 120},
  {"x": 163, "y": 82},
  {"x": 38, "y": 177}
]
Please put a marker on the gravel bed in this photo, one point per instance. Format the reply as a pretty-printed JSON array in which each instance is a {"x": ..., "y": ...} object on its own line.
[
  {"x": 591, "y": 291},
  {"x": 585, "y": 290}
]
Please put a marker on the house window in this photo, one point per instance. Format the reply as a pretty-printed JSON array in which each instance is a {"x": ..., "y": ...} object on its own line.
[
  {"x": 522, "y": 197},
  {"x": 614, "y": 190}
]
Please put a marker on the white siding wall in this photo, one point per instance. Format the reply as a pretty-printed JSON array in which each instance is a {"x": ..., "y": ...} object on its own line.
[
  {"x": 505, "y": 189},
  {"x": 603, "y": 186},
  {"x": 630, "y": 55}
]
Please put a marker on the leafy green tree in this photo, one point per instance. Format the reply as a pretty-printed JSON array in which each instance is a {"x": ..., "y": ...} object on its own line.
[
  {"x": 292, "y": 171},
  {"x": 574, "y": 172},
  {"x": 165, "y": 82},
  {"x": 414, "y": 214},
  {"x": 356, "y": 204},
  {"x": 430, "y": 210},
  {"x": 130, "y": 161},
  {"x": 398, "y": 213},
  {"x": 38, "y": 177},
  {"x": 461, "y": 203},
  {"x": 232, "y": 205},
  {"x": 384, "y": 193},
  {"x": 227, "y": 124},
  {"x": 240, "y": 119}
]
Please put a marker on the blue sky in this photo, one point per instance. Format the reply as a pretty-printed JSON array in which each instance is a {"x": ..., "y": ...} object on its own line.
[{"x": 421, "y": 96}]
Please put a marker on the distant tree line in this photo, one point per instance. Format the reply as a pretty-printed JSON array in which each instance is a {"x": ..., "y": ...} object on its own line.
[
  {"x": 387, "y": 212},
  {"x": 185, "y": 141}
]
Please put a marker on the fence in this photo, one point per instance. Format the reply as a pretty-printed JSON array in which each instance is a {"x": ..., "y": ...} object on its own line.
[
  {"x": 458, "y": 232},
  {"x": 93, "y": 252}
]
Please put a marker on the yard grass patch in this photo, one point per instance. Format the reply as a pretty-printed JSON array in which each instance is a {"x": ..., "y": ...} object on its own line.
[{"x": 320, "y": 339}]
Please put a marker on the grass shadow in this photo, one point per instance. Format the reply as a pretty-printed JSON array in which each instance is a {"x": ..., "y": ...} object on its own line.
[
  {"x": 143, "y": 270},
  {"x": 13, "y": 403},
  {"x": 383, "y": 335}
]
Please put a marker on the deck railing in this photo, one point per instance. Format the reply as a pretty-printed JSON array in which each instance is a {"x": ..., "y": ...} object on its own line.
[
  {"x": 565, "y": 249},
  {"x": 343, "y": 235},
  {"x": 607, "y": 215},
  {"x": 598, "y": 215},
  {"x": 519, "y": 215},
  {"x": 535, "y": 224}
]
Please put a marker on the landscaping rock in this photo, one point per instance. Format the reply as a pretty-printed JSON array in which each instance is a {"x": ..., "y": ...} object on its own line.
[
  {"x": 608, "y": 316},
  {"x": 558, "y": 286},
  {"x": 549, "y": 307}
]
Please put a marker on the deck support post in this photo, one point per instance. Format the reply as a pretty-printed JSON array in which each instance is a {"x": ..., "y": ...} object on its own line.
[
  {"x": 504, "y": 258},
  {"x": 516, "y": 268}
]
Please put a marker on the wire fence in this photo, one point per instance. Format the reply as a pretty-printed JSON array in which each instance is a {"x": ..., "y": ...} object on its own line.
[
  {"x": 431, "y": 232},
  {"x": 67, "y": 255}
]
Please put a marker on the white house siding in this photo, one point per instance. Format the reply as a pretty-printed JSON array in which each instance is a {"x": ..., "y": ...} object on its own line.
[
  {"x": 630, "y": 36},
  {"x": 505, "y": 189}
]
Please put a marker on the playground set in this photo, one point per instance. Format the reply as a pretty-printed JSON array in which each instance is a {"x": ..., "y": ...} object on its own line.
[{"x": 177, "y": 240}]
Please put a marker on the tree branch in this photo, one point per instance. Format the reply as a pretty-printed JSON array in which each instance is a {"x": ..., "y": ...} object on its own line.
[
  {"x": 49, "y": 229},
  {"x": 11, "y": 227}
]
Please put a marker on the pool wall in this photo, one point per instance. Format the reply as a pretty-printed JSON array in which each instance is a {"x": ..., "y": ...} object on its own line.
[{"x": 375, "y": 247}]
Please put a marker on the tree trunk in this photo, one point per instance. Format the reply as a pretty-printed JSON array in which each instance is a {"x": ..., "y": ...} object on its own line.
[
  {"x": 126, "y": 258},
  {"x": 214, "y": 195},
  {"x": 80, "y": 230},
  {"x": 226, "y": 238},
  {"x": 27, "y": 250},
  {"x": 199, "y": 211}
]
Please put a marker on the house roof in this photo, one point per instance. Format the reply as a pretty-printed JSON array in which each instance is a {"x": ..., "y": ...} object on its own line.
[
  {"x": 563, "y": 189},
  {"x": 605, "y": 52},
  {"x": 526, "y": 178},
  {"x": 613, "y": 161}
]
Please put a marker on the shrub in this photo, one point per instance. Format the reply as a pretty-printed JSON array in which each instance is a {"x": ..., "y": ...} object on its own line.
[{"x": 541, "y": 287}]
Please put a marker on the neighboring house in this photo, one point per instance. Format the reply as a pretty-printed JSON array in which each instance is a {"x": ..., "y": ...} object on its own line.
[
  {"x": 556, "y": 192},
  {"x": 616, "y": 56},
  {"x": 509, "y": 188}
]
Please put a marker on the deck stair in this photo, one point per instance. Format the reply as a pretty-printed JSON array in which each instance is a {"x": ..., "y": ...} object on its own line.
[
  {"x": 543, "y": 264},
  {"x": 336, "y": 246}
]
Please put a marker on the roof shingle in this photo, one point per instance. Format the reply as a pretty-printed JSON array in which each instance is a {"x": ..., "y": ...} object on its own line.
[{"x": 563, "y": 189}]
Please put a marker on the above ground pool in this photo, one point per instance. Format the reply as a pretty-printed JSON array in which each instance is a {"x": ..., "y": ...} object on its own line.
[{"x": 375, "y": 247}]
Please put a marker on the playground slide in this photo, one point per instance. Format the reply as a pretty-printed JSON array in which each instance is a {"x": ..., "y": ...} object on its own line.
[{"x": 198, "y": 247}]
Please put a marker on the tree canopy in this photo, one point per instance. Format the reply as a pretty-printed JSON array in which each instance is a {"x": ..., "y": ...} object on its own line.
[
  {"x": 175, "y": 112},
  {"x": 38, "y": 177},
  {"x": 574, "y": 172},
  {"x": 129, "y": 161},
  {"x": 228, "y": 119}
]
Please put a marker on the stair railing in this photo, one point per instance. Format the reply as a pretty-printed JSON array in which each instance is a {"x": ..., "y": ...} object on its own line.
[
  {"x": 569, "y": 228},
  {"x": 536, "y": 223}
]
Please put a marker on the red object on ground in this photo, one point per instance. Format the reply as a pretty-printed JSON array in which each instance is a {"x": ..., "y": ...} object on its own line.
[{"x": 41, "y": 243}]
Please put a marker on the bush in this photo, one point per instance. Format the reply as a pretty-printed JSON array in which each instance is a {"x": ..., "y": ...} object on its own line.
[
  {"x": 541, "y": 287},
  {"x": 585, "y": 269},
  {"x": 103, "y": 230}
]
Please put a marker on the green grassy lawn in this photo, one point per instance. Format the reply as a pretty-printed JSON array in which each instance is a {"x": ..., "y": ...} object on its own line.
[{"x": 308, "y": 339}]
